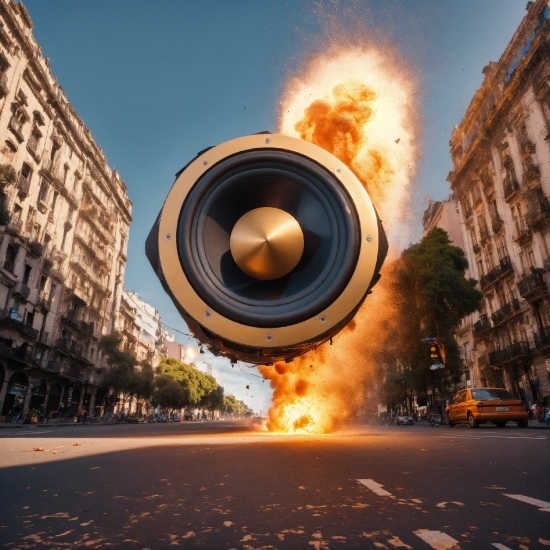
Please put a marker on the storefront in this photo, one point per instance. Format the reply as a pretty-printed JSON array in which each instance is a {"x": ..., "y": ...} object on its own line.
[
  {"x": 54, "y": 399},
  {"x": 16, "y": 393},
  {"x": 38, "y": 394}
]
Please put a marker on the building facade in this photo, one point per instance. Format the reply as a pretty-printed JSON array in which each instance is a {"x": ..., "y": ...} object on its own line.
[
  {"x": 65, "y": 219},
  {"x": 147, "y": 333},
  {"x": 501, "y": 179}
]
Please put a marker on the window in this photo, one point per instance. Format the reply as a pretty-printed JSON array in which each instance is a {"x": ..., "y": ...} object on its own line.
[
  {"x": 27, "y": 274},
  {"x": 42, "y": 285},
  {"x": 26, "y": 171},
  {"x": 43, "y": 193},
  {"x": 35, "y": 233},
  {"x": 30, "y": 318},
  {"x": 9, "y": 258}
]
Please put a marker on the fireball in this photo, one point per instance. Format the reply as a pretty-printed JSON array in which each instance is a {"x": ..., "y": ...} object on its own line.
[{"x": 358, "y": 105}]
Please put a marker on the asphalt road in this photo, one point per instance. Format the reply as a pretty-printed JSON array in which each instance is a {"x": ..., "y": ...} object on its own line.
[{"x": 223, "y": 485}]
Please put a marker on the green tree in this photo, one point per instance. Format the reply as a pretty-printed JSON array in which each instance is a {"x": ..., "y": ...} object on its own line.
[
  {"x": 121, "y": 377},
  {"x": 432, "y": 295},
  {"x": 169, "y": 394},
  {"x": 202, "y": 388}
]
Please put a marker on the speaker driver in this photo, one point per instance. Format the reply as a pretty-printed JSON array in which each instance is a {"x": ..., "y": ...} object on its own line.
[{"x": 267, "y": 243}]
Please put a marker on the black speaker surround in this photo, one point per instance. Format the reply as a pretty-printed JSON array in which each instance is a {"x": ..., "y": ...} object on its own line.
[{"x": 266, "y": 320}]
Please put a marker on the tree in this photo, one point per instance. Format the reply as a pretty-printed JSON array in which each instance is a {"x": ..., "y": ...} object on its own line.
[
  {"x": 234, "y": 406},
  {"x": 202, "y": 388},
  {"x": 432, "y": 296},
  {"x": 121, "y": 376},
  {"x": 169, "y": 394}
]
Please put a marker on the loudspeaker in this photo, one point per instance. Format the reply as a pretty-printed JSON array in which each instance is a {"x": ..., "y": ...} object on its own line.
[{"x": 267, "y": 246}]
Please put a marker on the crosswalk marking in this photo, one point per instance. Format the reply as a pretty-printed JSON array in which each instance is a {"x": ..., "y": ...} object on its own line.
[
  {"x": 437, "y": 539},
  {"x": 543, "y": 506},
  {"x": 375, "y": 487},
  {"x": 500, "y": 546}
]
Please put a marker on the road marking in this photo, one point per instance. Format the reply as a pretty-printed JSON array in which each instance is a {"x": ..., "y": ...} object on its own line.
[
  {"x": 375, "y": 487},
  {"x": 491, "y": 437},
  {"x": 543, "y": 506},
  {"x": 30, "y": 433},
  {"x": 500, "y": 546},
  {"x": 437, "y": 539}
]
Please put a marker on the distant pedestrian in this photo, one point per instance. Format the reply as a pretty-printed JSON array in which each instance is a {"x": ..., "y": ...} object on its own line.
[{"x": 534, "y": 411}]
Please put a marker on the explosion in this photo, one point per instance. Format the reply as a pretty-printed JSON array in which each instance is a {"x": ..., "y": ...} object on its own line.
[{"x": 356, "y": 104}]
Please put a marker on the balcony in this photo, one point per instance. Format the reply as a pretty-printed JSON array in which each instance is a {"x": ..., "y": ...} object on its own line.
[
  {"x": 45, "y": 364},
  {"x": 44, "y": 338},
  {"x": 32, "y": 148},
  {"x": 531, "y": 175},
  {"x": 71, "y": 317},
  {"x": 3, "y": 85},
  {"x": 482, "y": 326},
  {"x": 533, "y": 286},
  {"x": 16, "y": 126},
  {"x": 538, "y": 209},
  {"x": 15, "y": 226},
  {"x": 21, "y": 291},
  {"x": 70, "y": 347},
  {"x": 505, "y": 312},
  {"x": 36, "y": 249},
  {"x": 515, "y": 351},
  {"x": 23, "y": 185},
  {"x": 542, "y": 338},
  {"x": 51, "y": 168},
  {"x": 466, "y": 208},
  {"x": 504, "y": 267},
  {"x": 496, "y": 223},
  {"x": 510, "y": 188},
  {"x": 483, "y": 232},
  {"x": 522, "y": 234},
  {"x": 10, "y": 320},
  {"x": 19, "y": 354}
]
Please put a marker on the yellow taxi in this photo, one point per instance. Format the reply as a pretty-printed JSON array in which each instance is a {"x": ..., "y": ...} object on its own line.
[{"x": 479, "y": 405}]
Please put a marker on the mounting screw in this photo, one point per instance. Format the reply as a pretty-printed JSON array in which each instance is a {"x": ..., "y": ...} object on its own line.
[
  {"x": 168, "y": 236},
  {"x": 269, "y": 336},
  {"x": 208, "y": 314},
  {"x": 369, "y": 239},
  {"x": 267, "y": 140},
  {"x": 205, "y": 163},
  {"x": 323, "y": 319},
  {"x": 338, "y": 170}
]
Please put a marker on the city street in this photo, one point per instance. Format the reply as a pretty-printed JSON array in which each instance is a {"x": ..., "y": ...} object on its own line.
[{"x": 224, "y": 485}]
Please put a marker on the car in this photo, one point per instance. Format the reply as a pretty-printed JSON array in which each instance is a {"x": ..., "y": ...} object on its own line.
[
  {"x": 405, "y": 420},
  {"x": 476, "y": 406},
  {"x": 435, "y": 420}
]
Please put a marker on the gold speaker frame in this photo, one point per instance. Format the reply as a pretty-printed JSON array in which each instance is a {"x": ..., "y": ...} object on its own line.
[{"x": 275, "y": 337}]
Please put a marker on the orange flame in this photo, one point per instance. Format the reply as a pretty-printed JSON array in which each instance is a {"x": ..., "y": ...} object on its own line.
[{"x": 356, "y": 104}]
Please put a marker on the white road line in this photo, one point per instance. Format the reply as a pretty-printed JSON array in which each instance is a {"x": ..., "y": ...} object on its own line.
[
  {"x": 543, "y": 506},
  {"x": 375, "y": 487},
  {"x": 500, "y": 546},
  {"x": 437, "y": 539},
  {"x": 491, "y": 437}
]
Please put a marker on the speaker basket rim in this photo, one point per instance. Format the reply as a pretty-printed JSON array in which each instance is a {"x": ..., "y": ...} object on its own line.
[{"x": 266, "y": 337}]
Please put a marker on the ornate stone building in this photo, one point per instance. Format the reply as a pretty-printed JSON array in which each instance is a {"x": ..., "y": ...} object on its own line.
[
  {"x": 63, "y": 250},
  {"x": 501, "y": 178}
]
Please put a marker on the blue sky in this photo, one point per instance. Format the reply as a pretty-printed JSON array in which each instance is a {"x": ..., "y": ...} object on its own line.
[{"x": 157, "y": 81}]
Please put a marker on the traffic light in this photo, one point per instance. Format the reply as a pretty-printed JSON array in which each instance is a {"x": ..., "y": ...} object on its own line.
[{"x": 435, "y": 355}]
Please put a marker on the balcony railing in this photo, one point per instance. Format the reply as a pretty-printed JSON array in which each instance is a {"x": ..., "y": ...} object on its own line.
[
  {"x": 510, "y": 188},
  {"x": 23, "y": 185},
  {"x": 51, "y": 167},
  {"x": 36, "y": 249},
  {"x": 483, "y": 325},
  {"x": 19, "y": 354},
  {"x": 70, "y": 347},
  {"x": 32, "y": 146},
  {"x": 532, "y": 285},
  {"x": 504, "y": 267},
  {"x": 22, "y": 290},
  {"x": 10, "y": 320},
  {"x": 522, "y": 234},
  {"x": 15, "y": 226},
  {"x": 3, "y": 84},
  {"x": 538, "y": 209},
  {"x": 506, "y": 311},
  {"x": 515, "y": 351},
  {"x": 542, "y": 338}
]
